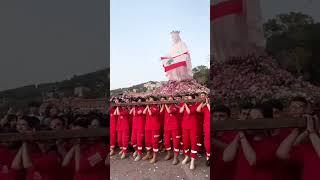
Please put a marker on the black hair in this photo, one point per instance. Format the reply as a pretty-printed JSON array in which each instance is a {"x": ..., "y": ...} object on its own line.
[
  {"x": 82, "y": 122},
  {"x": 43, "y": 128},
  {"x": 246, "y": 105},
  {"x": 154, "y": 98},
  {"x": 275, "y": 103},
  {"x": 266, "y": 109},
  {"x": 12, "y": 117},
  {"x": 192, "y": 95},
  {"x": 33, "y": 122},
  {"x": 178, "y": 96},
  {"x": 222, "y": 108},
  {"x": 299, "y": 99},
  {"x": 142, "y": 99}
]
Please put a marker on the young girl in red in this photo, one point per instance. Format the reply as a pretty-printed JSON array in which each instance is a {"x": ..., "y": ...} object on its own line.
[
  {"x": 303, "y": 148},
  {"x": 113, "y": 128},
  {"x": 138, "y": 126},
  {"x": 172, "y": 130},
  {"x": 190, "y": 131},
  {"x": 224, "y": 169},
  {"x": 123, "y": 127},
  {"x": 89, "y": 158},
  {"x": 204, "y": 108},
  {"x": 7, "y": 154},
  {"x": 152, "y": 130},
  {"x": 42, "y": 162}
]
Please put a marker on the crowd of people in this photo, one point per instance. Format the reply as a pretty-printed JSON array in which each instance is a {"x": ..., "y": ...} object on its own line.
[
  {"x": 64, "y": 159},
  {"x": 145, "y": 130},
  {"x": 269, "y": 154}
]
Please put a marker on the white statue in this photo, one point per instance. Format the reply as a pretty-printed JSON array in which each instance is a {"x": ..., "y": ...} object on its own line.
[
  {"x": 177, "y": 64},
  {"x": 236, "y": 27}
]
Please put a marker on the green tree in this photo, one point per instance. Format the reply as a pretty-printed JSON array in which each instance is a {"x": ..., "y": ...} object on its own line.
[
  {"x": 291, "y": 39},
  {"x": 201, "y": 74}
]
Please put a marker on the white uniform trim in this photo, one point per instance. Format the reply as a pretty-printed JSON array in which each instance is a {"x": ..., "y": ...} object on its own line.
[{"x": 193, "y": 151}]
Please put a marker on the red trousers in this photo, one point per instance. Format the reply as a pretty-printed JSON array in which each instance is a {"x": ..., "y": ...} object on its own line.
[
  {"x": 123, "y": 140},
  {"x": 175, "y": 135},
  {"x": 137, "y": 138},
  {"x": 190, "y": 138},
  {"x": 113, "y": 139},
  {"x": 152, "y": 140},
  {"x": 207, "y": 142}
]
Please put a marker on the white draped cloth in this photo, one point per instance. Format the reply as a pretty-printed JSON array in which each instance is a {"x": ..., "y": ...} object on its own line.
[{"x": 180, "y": 67}]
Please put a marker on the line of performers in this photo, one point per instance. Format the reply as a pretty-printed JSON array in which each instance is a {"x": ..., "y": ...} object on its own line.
[{"x": 181, "y": 126}]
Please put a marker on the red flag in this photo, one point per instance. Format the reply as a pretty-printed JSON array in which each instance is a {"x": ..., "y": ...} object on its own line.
[{"x": 225, "y": 8}]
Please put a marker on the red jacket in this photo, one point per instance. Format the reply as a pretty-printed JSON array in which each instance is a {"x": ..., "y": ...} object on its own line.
[
  {"x": 139, "y": 119},
  {"x": 92, "y": 162},
  {"x": 47, "y": 166},
  {"x": 123, "y": 119},
  {"x": 6, "y": 158},
  {"x": 171, "y": 120},
  {"x": 153, "y": 120},
  {"x": 113, "y": 120},
  {"x": 206, "y": 116},
  {"x": 190, "y": 121}
]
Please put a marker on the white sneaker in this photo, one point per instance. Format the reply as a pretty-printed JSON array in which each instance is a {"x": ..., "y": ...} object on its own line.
[
  {"x": 135, "y": 154},
  {"x": 123, "y": 156},
  {"x": 192, "y": 166},
  {"x": 111, "y": 153},
  {"x": 138, "y": 158},
  {"x": 186, "y": 160}
]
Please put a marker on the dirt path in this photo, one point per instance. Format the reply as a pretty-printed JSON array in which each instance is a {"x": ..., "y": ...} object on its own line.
[{"x": 127, "y": 169}]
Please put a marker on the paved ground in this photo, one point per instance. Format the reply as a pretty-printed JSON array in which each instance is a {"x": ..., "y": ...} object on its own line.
[{"x": 127, "y": 169}]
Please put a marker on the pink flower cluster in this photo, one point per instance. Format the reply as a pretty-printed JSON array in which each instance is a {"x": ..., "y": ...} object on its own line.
[
  {"x": 172, "y": 88},
  {"x": 258, "y": 78}
]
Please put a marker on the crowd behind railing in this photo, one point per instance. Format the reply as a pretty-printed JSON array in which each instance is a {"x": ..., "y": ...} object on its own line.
[
  {"x": 77, "y": 158},
  {"x": 285, "y": 153}
]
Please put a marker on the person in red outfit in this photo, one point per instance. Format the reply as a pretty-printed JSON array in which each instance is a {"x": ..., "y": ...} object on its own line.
[
  {"x": 172, "y": 130},
  {"x": 161, "y": 117},
  {"x": 133, "y": 138},
  {"x": 41, "y": 163},
  {"x": 7, "y": 154},
  {"x": 152, "y": 130},
  {"x": 123, "y": 127},
  {"x": 204, "y": 108},
  {"x": 138, "y": 129},
  {"x": 255, "y": 151},
  {"x": 223, "y": 168},
  {"x": 88, "y": 157},
  {"x": 180, "y": 116},
  {"x": 302, "y": 148},
  {"x": 113, "y": 128},
  {"x": 190, "y": 131}
]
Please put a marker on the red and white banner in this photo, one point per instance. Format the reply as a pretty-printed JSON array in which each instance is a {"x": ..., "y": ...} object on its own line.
[
  {"x": 174, "y": 62},
  {"x": 226, "y": 8}
]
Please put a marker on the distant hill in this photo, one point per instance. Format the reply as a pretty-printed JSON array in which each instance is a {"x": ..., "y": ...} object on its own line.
[
  {"x": 138, "y": 88},
  {"x": 97, "y": 82}
]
